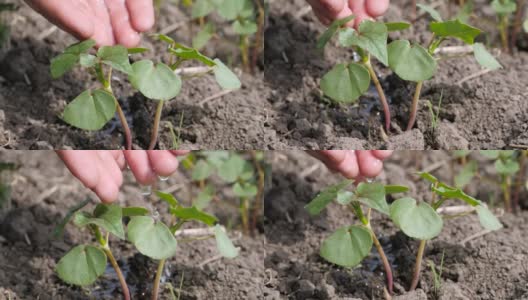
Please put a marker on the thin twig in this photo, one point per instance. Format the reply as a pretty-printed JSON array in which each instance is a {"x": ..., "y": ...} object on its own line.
[
  {"x": 190, "y": 71},
  {"x": 212, "y": 259},
  {"x": 213, "y": 97},
  {"x": 475, "y": 75},
  {"x": 475, "y": 236},
  {"x": 453, "y": 210}
]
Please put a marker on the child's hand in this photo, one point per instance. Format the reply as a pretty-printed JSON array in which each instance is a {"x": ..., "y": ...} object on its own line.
[
  {"x": 108, "y": 22},
  {"x": 101, "y": 171},
  {"x": 354, "y": 164},
  {"x": 330, "y": 10}
]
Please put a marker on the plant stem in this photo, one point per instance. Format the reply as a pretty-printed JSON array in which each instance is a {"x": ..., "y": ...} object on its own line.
[
  {"x": 157, "y": 279},
  {"x": 259, "y": 35},
  {"x": 124, "y": 124},
  {"x": 418, "y": 265},
  {"x": 155, "y": 126},
  {"x": 414, "y": 107},
  {"x": 520, "y": 180},
  {"x": 244, "y": 51},
  {"x": 503, "y": 28},
  {"x": 256, "y": 208},
  {"x": 506, "y": 185},
  {"x": 517, "y": 24},
  {"x": 381, "y": 94},
  {"x": 244, "y": 215},
  {"x": 385, "y": 261}
]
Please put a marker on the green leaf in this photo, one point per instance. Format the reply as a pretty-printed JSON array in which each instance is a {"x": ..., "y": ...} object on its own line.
[
  {"x": 453, "y": 193},
  {"x": 487, "y": 219},
  {"x": 345, "y": 197},
  {"x": 155, "y": 82},
  {"x": 493, "y": 154},
  {"x": 137, "y": 50},
  {"x": 225, "y": 77},
  {"x": 466, "y": 174},
  {"x": 232, "y": 168},
  {"x": 455, "y": 29},
  {"x": 413, "y": 63},
  {"x": 193, "y": 213},
  {"x": 82, "y": 265},
  {"x": 484, "y": 58},
  {"x": 506, "y": 167},
  {"x": 326, "y": 196},
  {"x": 108, "y": 217},
  {"x": 346, "y": 83},
  {"x": 347, "y": 246},
  {"x": 417, "y": 221},
  {"x": 202, "y": 170},
  {"x": 371, "y": 36},
  {"x": 202, "y": 8},
  {"x": 504, "y": 7},
  {"x": 245, "y": 28},
  {"x": 465, "y": 12},
  {"x": 431, "y": 11},
  {"x": 245, "y": 190},
  {"x": 373, "y": 195},
  {"x": 134, "y": 211},
  {"x": 203, "y": 36},
  {"x": 81, "y": 47},
  {"x": 461, "y": 153},
  {"x": 428, "y": 176},
  {"x": 397, "y": 26},
  {"x": 164, "y": 38},
  {"x": 187, "y": 53},
  {"x": 59, "y": 229},
  {"x": 329, "y": 33},
  {"x": 224, "y": 244},
  {"x": 62, "y": 64},
  {"x": 87, "y": 60},
  {"x": 169, "y": 198},
  {"x": 116, "y": 57},
  {"x": 395, "y": 189},
  {"x": 91, "y": 110},
  {"x": 204, "y": 197},
  {"x": 151, "y": 238},
  {"x": 231, "y": 9},
  {"x": 525, "y": 25}
]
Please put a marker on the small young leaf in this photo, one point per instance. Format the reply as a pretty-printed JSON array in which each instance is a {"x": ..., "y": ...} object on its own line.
[
  {"x": 371, "y": 36},
  {"x": 225, "y": 77},
  {"x": 169, "y": 198},
  {"x": 82, "y": 265},
  {"x": 193, "y": 213},
  {"x": 345, "y": 197},
  {"x": 413, "y": 63},
  {"x": 506, "y": 167},
  {"x": 329, "y": 33},
  {"x": 151, "y": 238},
  {"x": 134, "y": 211},
  {"x": 346, "y": 83},
  {"x": 87, "y": 60},
  {"x": 397, "y": 26},
  {"x": 202, "y": 170},
  {"x": 493, "y": 154},
  {"x": 428, "y": 176},
  {"x": 373, "y": 195},
  {"x": 224, "y": 244},
  {"x": 137, "y": 50},
  {"x": 487, "y": 219},
  {"x": 504, "y": 7},
  {"x": 204, "y": 197},
  {"x": 231, "y": 9},
  {"x": 395, "y": 189},
  {"x": 203, "y": 36},
  {"x": 155, "y": 82},
  {"x": 245, "y": 28},
  {"x": 186, "y": 53},
  {"x": 108, "y": 217},
  {"x": 164, "y": 38},
  {"x": 59, "y": 229},
  {"x": 431, "y": 11},
  {"x": 81, "y": 47},
  {"x": 116, "y": 57},
  {"x": 455, "y": 29},
  {"x": 202, "y": 8},
  {"x": 231, "y": 169},
  {"x": 484, "y": 58},
  {"x": 347, "y": 246},
  {"x": 216, "y": 158},
  {"x": 63, "y": 63},
  {"x": 245, "y": 190},
  {"x": 466, "y": 174},
  {"x": 90, "y": 110},
  {"x": 326, "y": 196},
  {"x": 453, "y": 193},
  {"x": 417, "y": 221}
]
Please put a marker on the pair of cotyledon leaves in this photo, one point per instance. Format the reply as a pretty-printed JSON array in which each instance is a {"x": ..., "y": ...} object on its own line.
[
  {"x": 91, "y": 110},
  {"x": 346, "y": 82},
  {"x": 348, "y": 246},
  {"x": 85, "y": 263}
]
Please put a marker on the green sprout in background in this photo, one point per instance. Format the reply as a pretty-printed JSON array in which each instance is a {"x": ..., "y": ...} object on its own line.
[
  {"x": 4, "y": 28},
  {"x": 345, "y": 83},
  {"x": 159, "y": 82}
]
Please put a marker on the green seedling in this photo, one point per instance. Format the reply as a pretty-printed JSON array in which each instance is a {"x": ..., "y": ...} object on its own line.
[
  {"x": 4, "y": 28},
  {"x": 245, "y": 176},
  {"x": 349, "y": 245},
  {"x": 242, "y": 14},
  {"x": 505, "y": 10},
  {"x": 411, "y": 62},
  {"x": 421, "y": 221},
  {"x": 159, "y": 82},
  {"x": 435, "y": 115},
  {"x": 85, "y": 263},
  {"x": 437, "y": 275}
]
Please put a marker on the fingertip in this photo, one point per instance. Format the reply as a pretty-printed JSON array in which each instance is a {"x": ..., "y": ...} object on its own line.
[
  {"x": 139, "y": 164},
  {"x": 128, "y": 38},
  {"x": 369, "y": 166},
  {"x": 377, "y": 8},
  {"x": 141, "y": 14},
  {"x": 382, "y": 154},
  {"x": 108, "y": 192},
  {"x": 163, "y": 162},
  {"x": 349, "y": 166}
]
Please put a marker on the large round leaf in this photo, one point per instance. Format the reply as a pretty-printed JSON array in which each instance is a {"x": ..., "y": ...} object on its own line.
[
  {"x": 373, "y": 195},
  {"x": 225, "y": 77},
  {"x": 347, "y": 246},
  {"x": 346, "y": 83},
  {"x": 151, "y": 238},
  {"x": 155, "y": 82},
  {"x": 417, "y": 221},
  {"x": 90, "y": 110},
  {"x": 455, "y": 29},
  {"x": 108, "y": 217},
  {"x": 370, "y": 36},
  {"x": 82, "y": 265},
  {"x": 411, "y": 63}
]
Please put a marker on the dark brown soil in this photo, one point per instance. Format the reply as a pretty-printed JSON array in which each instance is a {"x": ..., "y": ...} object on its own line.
[
  {"x": 30, "y": 101},
  {"x": 491, "y": 266},
  {"x": 43, "y": 191},
  {"x": 487, "y": 112}
]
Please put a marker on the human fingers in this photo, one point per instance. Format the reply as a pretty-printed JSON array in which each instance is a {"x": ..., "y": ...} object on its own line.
[
  {"x": 369, "y": 165},
  {"x": 382, "y": 154},
  {"x": 376, "y": 8},
  {"x": 122, "y": 28},
  {"x": 163, "y": 162},
  {"x": 139, "y": 164},
  {"x": 141, "y": 14},
  {"x": 103, "y": 33}
]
